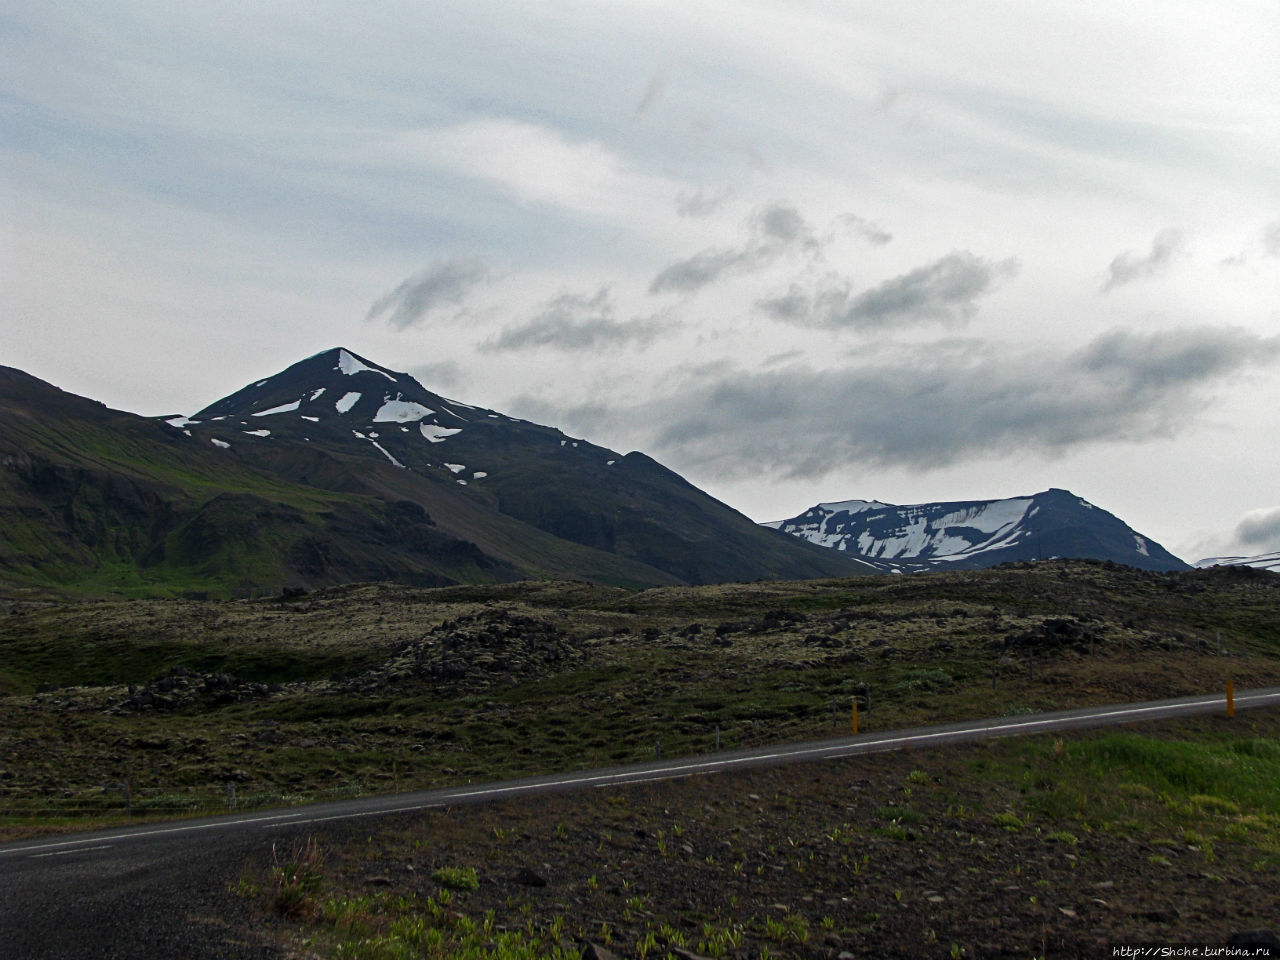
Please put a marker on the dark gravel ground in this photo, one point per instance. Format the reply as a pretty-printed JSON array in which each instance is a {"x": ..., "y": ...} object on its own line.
[{"x": 904, "y": 855}]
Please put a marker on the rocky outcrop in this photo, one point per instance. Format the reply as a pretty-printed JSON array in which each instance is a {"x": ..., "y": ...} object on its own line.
[
  {"x": 475, "y": 652},
  {"x": 182, "y": 688}
]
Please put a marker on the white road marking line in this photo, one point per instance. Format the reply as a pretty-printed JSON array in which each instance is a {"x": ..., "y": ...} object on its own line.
[
  {"x": 63, "y": 853},
  {"x": 362, "y": 813}
]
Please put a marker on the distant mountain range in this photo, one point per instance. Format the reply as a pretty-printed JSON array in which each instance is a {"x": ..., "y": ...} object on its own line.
[
  {"x": 1263, "y": 561},
  {"x": 337, "y": 470},
  {"x": 970, "y": 534}
]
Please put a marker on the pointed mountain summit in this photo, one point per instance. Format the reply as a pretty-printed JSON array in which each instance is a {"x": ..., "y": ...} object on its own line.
[
  {"x": 337, "y": 387},
  {"x": 977, "y": 533},
  {"x": 337, "y": 397},
  {"x": 527, "y": 494}
]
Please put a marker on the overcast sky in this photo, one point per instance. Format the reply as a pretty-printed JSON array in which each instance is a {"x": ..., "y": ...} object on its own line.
[{"x": 798, "y": 252}]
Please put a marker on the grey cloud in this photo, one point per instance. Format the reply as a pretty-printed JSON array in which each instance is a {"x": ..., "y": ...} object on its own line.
[
  {"x": 1130, "y": 266},
  {"x": 701, "y": 203},
  {"x": 784, "y": 225},
  {"x": 445, "y": 283},
  {"x": 1155, "y": 363},
  {"x": 780, "y": 358},
  {"x": 701, "y": 269},
  {"x": 945, "y": 291},
  {"x": 1260, "y": 529},
  {"x": 932, "y": 405},
  {"x": 577, "y": 322},
  {"x": 869, "y": 231},
  {"x": 445, "y": 373},
  {"x": 1271, "y": 239},
  {"x": 794, "y": 306},
  {"x": 652, "y": 94},
  {"x": 778, "y": 228}
]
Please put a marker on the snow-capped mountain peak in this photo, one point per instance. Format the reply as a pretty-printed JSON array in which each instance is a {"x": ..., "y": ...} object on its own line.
[
  {"x": 853, "y": 506},
  {"x": 977, "y": 533},
  {"x": 1262, "y": 561},
  {"x": 350, "y": 365},
  {"x": 339, "y": 383}
]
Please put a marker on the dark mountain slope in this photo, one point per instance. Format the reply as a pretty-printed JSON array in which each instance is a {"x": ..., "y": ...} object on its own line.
[
  {"x": 96, "y": 499},
  {"x": 627, "y": 506},
  {"x": 335, "y": 471}
]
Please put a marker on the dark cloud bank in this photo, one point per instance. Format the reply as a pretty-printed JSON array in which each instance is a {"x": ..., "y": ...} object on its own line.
[
  {"x": 443, "y": 284},
  {"x": 1130, "y": 266},
  {"x": 945, "y": 291},
  {"x": 927, "y": 406},
  {"x": 577, "y": 322},
  {"x": 1260, "y": 529},
  {"x": 776, "y": 230}
]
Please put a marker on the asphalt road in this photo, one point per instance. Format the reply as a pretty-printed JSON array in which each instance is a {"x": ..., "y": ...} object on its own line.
[{"x": 159, "y": 890}]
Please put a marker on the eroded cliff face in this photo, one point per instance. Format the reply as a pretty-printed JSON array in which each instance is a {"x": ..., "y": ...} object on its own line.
[{"x": 57, "y": 514}]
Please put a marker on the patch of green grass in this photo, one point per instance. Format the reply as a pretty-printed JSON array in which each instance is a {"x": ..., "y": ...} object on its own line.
[
  {"x": 898, "y": 814},
  {"x": 457, "y": 878},
  {"x": 296, "y": 879},
  {"x": 791, "y": 928},
  {"x": 397, "y": 928},
  {"x": 1008, "y": 821},
  {"x": 1210, "y": 773}
]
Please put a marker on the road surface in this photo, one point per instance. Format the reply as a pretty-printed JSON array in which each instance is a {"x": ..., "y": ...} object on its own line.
[{"x": 158, "y": 890}]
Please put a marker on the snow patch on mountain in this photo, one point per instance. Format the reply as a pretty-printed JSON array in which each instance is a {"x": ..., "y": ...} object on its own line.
[
  {"x": 853, "y": 506},
  {"x": 347, "y": 401},
  {"x": 909, "y": 532},
  {"x": 283, "y": 408},
  {"x": 438, "y": 434},
  {"x": 386, "y": 454},
  {"x": 351, "y": 365},
  {"x": 401, "y": 411}
]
